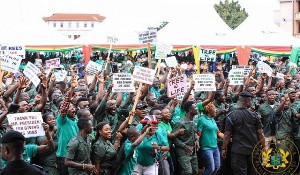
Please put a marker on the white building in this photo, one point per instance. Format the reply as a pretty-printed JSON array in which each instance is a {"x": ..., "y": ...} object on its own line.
[{"x": 74, "y": 25}]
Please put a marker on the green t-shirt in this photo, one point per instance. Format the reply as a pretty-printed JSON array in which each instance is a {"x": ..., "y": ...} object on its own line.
[
  {"x": 208, "y": 128},
  {"x": 129, "y": 166},
  {"x": 101, "y": 62},
  {"x": 199, "y": 106}
]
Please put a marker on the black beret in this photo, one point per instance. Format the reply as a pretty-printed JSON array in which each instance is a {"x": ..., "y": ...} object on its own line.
[
  {"x": 246, "y": 94},
  {"x": 187, "y": 105},
  {"x": 11, "y": 137}
]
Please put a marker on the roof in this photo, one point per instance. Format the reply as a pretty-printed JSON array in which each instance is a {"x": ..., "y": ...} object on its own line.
[{"x": 74, "y": 17}]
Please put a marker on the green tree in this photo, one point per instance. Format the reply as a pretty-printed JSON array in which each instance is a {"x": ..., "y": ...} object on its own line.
[
  {"x": 231, "y": 12},
  {"x": 162, "y": 25}
]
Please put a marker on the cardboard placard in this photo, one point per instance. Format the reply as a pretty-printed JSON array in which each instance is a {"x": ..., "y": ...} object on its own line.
[
  {"x": 10, "y": 63},
  {"x": 31, "y": 71},
  {"x": 236, "y": 76},
  {"x": 162, "y": 50},
  {"x": 60, "y": 75},
  {"x": 204, "y": 82},
  {"x": 247, "y": 69},
  {"x": 53, "y": 63},
  {"x": 123, "y": 82},
  {"x": 208, "y": 55},
  {"x": 4, "y": 49},
  {"x": 264, "y": 68},
  {"x": 17, "y": 50},
  {"x": 92, "y": 68},
  {"x": 177, "y": 85},
  {"x": 28, "y": 123},
  {"x": 171, "y": 61},
  {"x": 148, "y": 36},
  {"x": 112, "y": 39},
  {"x": 143, "y": 75}
]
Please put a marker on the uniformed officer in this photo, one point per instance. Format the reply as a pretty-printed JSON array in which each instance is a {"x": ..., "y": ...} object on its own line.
[{"x": 79, "y": 150}]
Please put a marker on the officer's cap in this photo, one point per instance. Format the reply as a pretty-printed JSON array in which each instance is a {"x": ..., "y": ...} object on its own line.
[
  {"x": 246, "y": 94},
  {"x": 11, "y": 137},
  {"x": 290, "y": 90}
]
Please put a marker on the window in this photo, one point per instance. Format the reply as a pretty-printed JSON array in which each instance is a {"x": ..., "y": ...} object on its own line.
[
  {"x": 61, "y": 25},
  {"x": 77, "y": 24},
  {"x": 54, "y": 24},
  {"x": 69, "y": 25},
  {"x": 85, "y": 25},
  {"x": 92, "y": 25}
]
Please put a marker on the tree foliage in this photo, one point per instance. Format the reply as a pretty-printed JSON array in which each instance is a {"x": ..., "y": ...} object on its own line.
[
  {"x": 161, "y": 26},
  {"x": 231, "y": 12}
]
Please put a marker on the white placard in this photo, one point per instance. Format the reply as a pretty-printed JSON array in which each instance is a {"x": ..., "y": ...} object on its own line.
[
  {"x": 55, "y": 62},
  {"x": 204, "y": 82},
  {"x": 4, "y": 49},
  {"x": 236, "y": 77},
  {"x": 112, "y": 39},
  {"x": 162, "y": 50},
  {"x": 31, "y": 71},
  {"x": 264, "y": 68},
  {"x": 60, "y": 75},
  {"x": 17, "y": 50},
  {"x": 143, "y": 74},
  {"x": 177, "y": 85},
  {"x": 171, "y": 61},
  {"x": 92, "y": 68},
  {"x": 148, "y": 36},
  {"x": 247, "y": 69},
  {"x": 28, "y": 123},
  {"x": 10, "y": 63},
  {"x": 280, "y": 75},
  {"x": 123, "y": 82},
  {"x": 208, "y": 55}
]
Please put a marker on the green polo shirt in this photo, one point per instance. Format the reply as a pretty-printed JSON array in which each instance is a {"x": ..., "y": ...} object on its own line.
[
  {"x": 129, "y": 166},
  {"x": 208, "y": 128},
  {"x": 182, "y": 112}
]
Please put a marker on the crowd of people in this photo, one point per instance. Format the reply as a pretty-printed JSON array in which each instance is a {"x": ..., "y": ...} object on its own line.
[{"x": 90, "y": 130}]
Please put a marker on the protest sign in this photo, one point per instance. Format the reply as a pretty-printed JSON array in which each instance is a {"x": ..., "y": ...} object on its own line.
[
  {"x": 143, "y": 74},
  {"x": 60, "y": 75},
  {"x": 247, "y": 69},
  {"x": 208, "y": 55},
  {"x": 10, "y": 63},
  {"x": 181, "y": 95},
  {"x": 112, "y": 39},
  {"x": 92, "y": 68},
  {"x": 264, "y": 68},
  {"x": 148, "y": 36},
  {"x": 162, "y": 50},
  {"x": 236, "y": 76},
  {"x": 123, "y": 82},
  {"x": 17, "y": 50},
  {"x": 28, "y": 123},
  {"x": 177, "y": 86},
  {"x": 31, "y": 71},
  {"x": 52, "y": 63},
  {"x": 4, "y": 49},
  {"x": 171, "y": 61},
  {"x": 204, "y": 82}
]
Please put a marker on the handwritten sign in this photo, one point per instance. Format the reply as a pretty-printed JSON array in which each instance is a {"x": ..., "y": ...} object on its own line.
[
  {"x": 52, "y": 63},
  {"x": 204, "y": 82},
  {"x": 4, "y": 49},
  {"x": 208, "y": 55},
  {"x": 60, "y": 75},
  {"x": 92, "y": 68},
  {"x": 162, "y": 50},
  {"x": 247, "y": 69},
  {"x": 123, "y": 82},
  {"x": 29, "y": 123},
  {"x": 143, "y": 74},
  {"x": 264, "y": 68},
  {"x": 177, "y": 86},
  {"x": 111, "y": 39},
  {"x": 31, "y": 71},
  {"x": 171, "y": 61},
  {"x": 17, "y": 50},
  {"x": 236, "y": 76},
  {"x": 148, "y": 36},
  {"x": 10, "y": 63}
]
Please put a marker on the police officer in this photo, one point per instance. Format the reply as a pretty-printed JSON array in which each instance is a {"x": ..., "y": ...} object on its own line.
[{"x": 13, "y": 145}]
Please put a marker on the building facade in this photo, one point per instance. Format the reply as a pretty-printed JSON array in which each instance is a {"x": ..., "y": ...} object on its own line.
[{"x": 74, "y": 25}]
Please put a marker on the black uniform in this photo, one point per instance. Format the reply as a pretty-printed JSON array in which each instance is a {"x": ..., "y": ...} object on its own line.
[{"x": 20, "y": 167}]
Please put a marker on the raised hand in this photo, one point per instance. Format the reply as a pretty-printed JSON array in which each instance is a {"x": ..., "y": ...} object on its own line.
[{"x": 23, "y": 82}]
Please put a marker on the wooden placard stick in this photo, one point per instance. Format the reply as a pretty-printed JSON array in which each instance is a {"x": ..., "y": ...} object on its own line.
[
  {"x": 138, "y": 94},
  {"x": 107, "y": 59},
  {"x": 1, "y": 74},
  {"x": 149, "y": 56},
  {"x": 157, "y": 68}
]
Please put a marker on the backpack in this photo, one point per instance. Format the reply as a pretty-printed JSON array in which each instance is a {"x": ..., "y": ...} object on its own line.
[{"x": 121, "y": 160}]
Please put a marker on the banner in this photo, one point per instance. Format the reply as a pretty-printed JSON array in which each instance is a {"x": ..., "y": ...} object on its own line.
[
  {"x": 171, "y": 61},
  {"x": 60, "y": 75},
  {"x": 31, "y": 71},
  {"x": 143, "y": 74},
  {"x": 204, "y": 82},
  {"x": 92, "y": 68},
  {"x": 236, "y": 77},
  {"x": 123, "y": 82},
  {"x": 52, "y": 63},
  {"x": 247, "y": 69},
  {"x": 208, "y": 55},
  {"x": 17, "y": 50},
  {"x": 177, "y": 85},
  {"x": 264, "y": 68},
  {"x": 28, "y": 123},
  {"x": 4, "y": 49},
  {"x": 149, "y": 36},
  {"x": 11, "y": 63}
]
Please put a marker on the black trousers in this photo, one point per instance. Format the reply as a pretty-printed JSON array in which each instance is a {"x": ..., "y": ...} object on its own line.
[
  {"x": 61, "y": 168},
  {"x": 241, "y": 164}
]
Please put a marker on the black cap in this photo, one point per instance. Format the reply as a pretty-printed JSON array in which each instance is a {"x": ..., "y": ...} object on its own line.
[
  {"x": 11, "y": 137},
  {"x": 141, "y": 104},
  {"x": 246, "y": 94}
]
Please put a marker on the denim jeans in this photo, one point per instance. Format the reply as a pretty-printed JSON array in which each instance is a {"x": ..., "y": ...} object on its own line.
[{"x": 211, "y": 160}]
